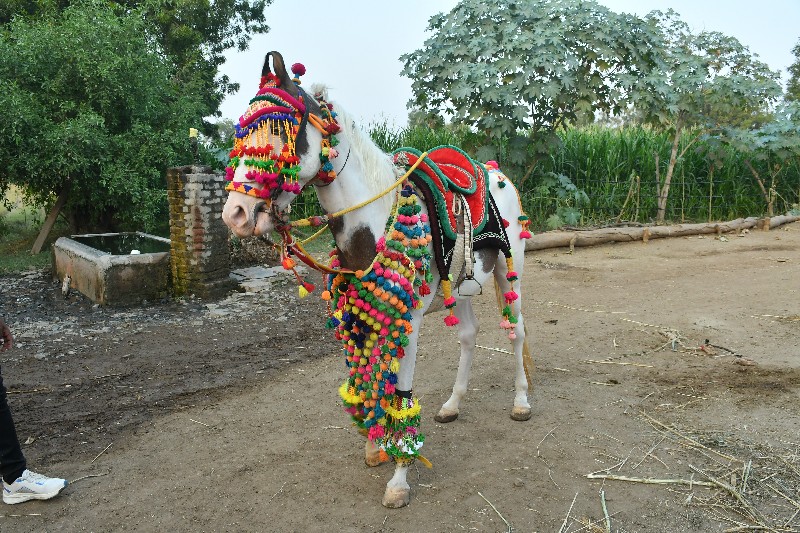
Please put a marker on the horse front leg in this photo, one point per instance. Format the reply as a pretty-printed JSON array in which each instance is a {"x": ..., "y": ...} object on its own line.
[
  {"x": 373, "y": 455},
  {"x": 398, "y": 491},
  {"x": 467, "y": 335}
]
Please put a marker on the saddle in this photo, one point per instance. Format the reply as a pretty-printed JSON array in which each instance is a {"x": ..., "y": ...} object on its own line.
[{"x": 456, "y": 193}]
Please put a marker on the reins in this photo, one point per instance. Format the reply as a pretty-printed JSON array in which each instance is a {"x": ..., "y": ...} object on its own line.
[
  {"x": 297, "y": 247},
  {"x": 313, "y": 221}
]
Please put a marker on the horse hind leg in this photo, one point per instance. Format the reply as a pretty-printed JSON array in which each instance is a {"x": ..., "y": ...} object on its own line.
[
  {"x": 523, "y": 361},
  {"x": 467, "y": 334}
]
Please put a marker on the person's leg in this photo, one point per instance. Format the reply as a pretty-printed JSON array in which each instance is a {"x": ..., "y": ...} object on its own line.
[
  {"x": 19, "y": 483},
  {"x": 12, "y": 461}
]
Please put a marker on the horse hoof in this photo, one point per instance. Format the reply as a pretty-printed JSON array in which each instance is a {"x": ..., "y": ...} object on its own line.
[
  {"x": 521, "y": 414},
  {"x": 395, "y": 498},
  {"x": 445, "y": 417}
]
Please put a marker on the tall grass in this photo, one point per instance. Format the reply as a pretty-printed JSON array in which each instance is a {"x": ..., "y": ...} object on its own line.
[{"x": 615, "y": 164}]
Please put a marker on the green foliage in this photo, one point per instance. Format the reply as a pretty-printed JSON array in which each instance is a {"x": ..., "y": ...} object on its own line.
[
  {"x": 517, "y": 70},
  {"x": 793, "y": 87},
  {"x": 564, "y": 198},
  {"x": 706, "y": 79},
  {"x": 777, "y": 140},
  {"x": 88, "y": 105},
  {"x": 195, "y": 34},
  {"x": 616, "y": 168},
  {"x": 192, "y": 35},
  {"x": 776, "y": 144},
  {"x": 19, "y": 227},
  {"x": 706, "y": 82}
]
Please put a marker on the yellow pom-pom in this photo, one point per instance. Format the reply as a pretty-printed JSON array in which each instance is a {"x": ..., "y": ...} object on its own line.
[
  {"x": 395, "y": 366},
  {"x": 303, "y": 292}
]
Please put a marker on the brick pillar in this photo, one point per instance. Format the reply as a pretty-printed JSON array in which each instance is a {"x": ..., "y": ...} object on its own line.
[{"x": 199, "y": 251}]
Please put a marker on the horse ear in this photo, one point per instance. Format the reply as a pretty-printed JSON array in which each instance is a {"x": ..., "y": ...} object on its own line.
[{"x": 280, "y": 71}]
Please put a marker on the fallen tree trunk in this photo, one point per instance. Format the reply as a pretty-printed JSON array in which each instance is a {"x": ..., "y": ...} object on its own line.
[{"x": 571, "y": 239}]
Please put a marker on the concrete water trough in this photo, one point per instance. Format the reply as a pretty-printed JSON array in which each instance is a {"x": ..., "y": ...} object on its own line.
[{"x": 114, "y": 269}]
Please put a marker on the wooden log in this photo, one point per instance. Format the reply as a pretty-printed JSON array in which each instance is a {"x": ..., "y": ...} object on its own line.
[{"x": 572, "y": 239}]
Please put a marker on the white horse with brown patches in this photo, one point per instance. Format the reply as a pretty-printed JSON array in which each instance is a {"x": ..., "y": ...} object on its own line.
[{"x": 401, "y": 224}]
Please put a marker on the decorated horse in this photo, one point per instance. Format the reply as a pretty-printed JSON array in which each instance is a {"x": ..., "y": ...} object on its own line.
[{"x": 413, "y": 231}]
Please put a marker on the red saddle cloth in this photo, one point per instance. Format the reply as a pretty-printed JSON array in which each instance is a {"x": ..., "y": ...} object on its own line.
[{"x": 449, "y": 171}]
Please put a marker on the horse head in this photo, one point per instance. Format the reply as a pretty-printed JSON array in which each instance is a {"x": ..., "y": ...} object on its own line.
[{"x": 283, "y": 142}]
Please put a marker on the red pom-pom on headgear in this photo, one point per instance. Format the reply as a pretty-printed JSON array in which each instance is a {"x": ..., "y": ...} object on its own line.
[{"x": 298, "y": 69}]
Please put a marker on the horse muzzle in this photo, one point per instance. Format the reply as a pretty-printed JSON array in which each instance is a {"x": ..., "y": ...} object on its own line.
[{"x": 247, "y": 216}]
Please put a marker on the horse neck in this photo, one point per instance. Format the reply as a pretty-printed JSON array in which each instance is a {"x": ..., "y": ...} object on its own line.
[{"x": 357, "y": 232}]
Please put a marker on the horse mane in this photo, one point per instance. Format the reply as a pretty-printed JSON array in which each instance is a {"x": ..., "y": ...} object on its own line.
[{"x": 379, "y": 170}]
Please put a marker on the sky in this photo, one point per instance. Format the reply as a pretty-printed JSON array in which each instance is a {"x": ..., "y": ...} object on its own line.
[{"x": 356, "y": 52}]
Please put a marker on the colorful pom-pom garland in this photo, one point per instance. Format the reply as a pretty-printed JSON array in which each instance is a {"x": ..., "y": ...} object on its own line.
[
  {"x": 372, "y": 319},
  {"x": 523, "y": 220}
]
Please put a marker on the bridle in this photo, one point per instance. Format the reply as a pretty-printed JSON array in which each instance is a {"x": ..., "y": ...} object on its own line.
[{"x": 274, "y": 111}]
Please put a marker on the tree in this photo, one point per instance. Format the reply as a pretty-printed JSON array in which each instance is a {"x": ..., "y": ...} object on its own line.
[
  {"x": 793, "y": 87},
  {"x": 90, "y": 109},
  {"x": 774, "y": 146},
  {"x": 518, "y": 70},
  {"x": 194, "y": 35},
  {"x": 708, "y": 82}
]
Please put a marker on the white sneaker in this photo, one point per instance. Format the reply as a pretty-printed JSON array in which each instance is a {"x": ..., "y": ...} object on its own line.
[{"x": 32, "y": 486}]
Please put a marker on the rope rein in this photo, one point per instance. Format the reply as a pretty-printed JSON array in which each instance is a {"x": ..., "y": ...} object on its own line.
[
  {"x": 314, "y": 221},
  {"x": 299, "y": 250}
]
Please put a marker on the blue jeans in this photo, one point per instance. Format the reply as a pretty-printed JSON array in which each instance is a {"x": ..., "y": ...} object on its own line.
[{"x": 12, "y": 461}]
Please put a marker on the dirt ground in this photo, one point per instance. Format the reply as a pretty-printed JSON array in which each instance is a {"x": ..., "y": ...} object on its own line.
[{"x": 223, "y": 416}]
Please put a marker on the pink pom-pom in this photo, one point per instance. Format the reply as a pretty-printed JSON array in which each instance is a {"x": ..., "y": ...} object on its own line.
[
  {"x": 298, "y": 69},
  {"x": 451, "y": 320},
  {"x": 512, "y": 335},
  {"x": 525, "y": 234},
  {"x": 376, "y": 432},
  {"x": 510, "y": 296},
  {"x": 505, "y": 324},
  {"x": 449, "y": 302},
  {"x": 511, "y": 275},
  {"x": 493, "y": 164}
]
